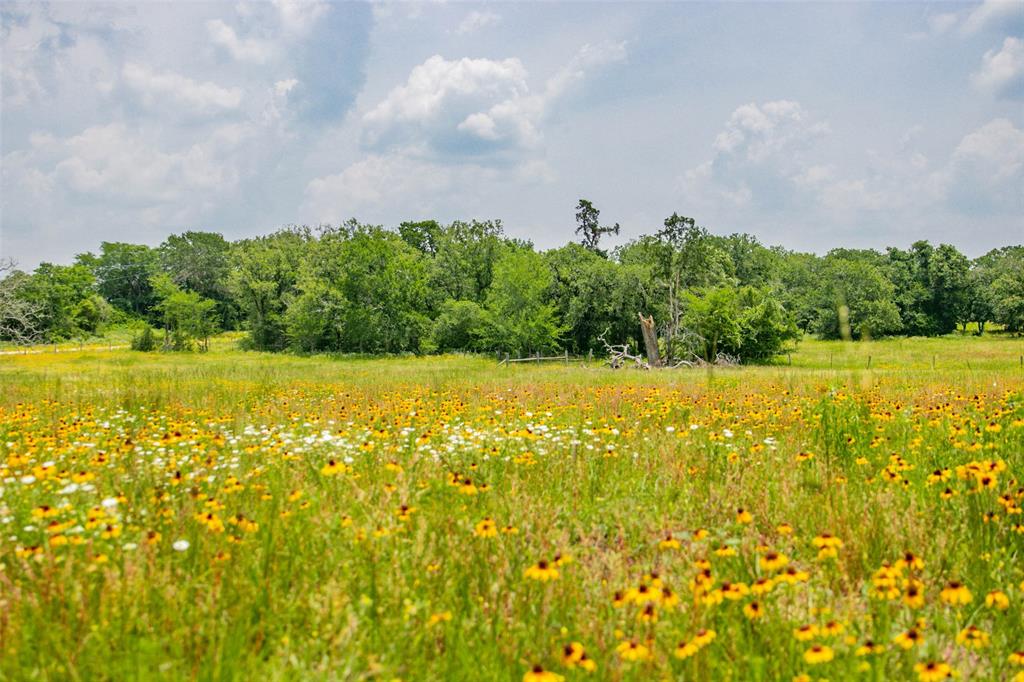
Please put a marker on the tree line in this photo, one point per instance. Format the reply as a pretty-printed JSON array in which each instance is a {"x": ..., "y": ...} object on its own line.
[{"x": 427, "y": 287}]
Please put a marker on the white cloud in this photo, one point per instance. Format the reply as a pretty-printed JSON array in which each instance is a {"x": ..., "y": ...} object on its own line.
[
  {"x": 299, "y": 16},
  {"x": 243, "y": 49},
  {"x": 463, "y": 106},
  {"x": 159, "y": 88},
  {"x": 112, "y": 161},
  {"x": 757, "y": 132},
  {"x": 1002, "y": 71},
  {"x": 121, "y": 168},
  {"x": 767, "y": 162},
  {"x": 992, "y": 12},
  {"x": 986, "y": 171},
  {"x": 477, "y": 20},
  {"x": 764, "y": 156},
  {"x": 374, "y": 183},
  {"x": 939, "y": 24}
]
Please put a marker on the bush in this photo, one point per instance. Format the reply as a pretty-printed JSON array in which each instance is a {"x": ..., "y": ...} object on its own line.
[{"x": 145, "y": 341}]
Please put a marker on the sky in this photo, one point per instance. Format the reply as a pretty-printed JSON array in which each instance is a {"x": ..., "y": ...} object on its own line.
[{"x": 809, "y": 125}]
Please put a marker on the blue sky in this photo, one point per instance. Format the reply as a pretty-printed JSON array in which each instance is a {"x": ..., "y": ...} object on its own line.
[{"x": 808, "y": 125}]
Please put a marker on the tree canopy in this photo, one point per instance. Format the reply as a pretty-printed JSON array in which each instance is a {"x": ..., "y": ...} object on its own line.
[{"x": 426, "y": 286}]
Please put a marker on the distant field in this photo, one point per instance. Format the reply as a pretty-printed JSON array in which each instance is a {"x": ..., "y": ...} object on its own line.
[{"x": 242, "y": 516}]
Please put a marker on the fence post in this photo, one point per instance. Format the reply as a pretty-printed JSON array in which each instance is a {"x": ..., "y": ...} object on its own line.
[
  {"x": 790, "y": 359},
  {"x": 869, "y": 362},
  {"x": 567, "y": 356}
]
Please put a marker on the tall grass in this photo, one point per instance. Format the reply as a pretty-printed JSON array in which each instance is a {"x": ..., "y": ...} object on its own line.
[{"x": 376, "y": 567}]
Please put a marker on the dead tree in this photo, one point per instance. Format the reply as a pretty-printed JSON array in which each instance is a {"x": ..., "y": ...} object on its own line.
[
  {"x": 618, "y": 355},
  {"x": 19, "y": 318},
  {"x": 650, "y": 340}
]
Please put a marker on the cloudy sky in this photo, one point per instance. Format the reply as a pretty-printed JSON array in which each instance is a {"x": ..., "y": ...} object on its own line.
[{"x": 808, "y": 125}]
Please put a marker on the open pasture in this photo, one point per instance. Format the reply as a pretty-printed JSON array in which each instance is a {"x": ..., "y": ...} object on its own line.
[{"x": 248, "y": 516}]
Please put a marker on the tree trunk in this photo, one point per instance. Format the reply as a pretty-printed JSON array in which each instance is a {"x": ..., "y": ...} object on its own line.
[{"x": 650, "y": 340}]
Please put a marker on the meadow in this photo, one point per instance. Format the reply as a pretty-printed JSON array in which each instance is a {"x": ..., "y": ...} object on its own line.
[{"x": 238, "y": 516}]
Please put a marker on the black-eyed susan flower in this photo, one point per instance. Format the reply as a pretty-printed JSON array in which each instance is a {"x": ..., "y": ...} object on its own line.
[
  {"x": 955, "y": 593},
  {"x": 911, "y": 561},
  {"x": 805, "y": 633},
  {"x": 631, "y": 650},
  {"x": 699, "y": 640},
  {"x": 908, "y": 639},
  {"x": 972, "y": 637},
  {"x": 333, "y": 468},
  {"x": 933, "y": 671},
  {"x": 575, "y": 656},
  {"x": 997, "y": 599},
  {"x": 869, "y": 648},
  {"x": 753, "y": 610},
  {"x": 832, "y": 628},
  {"x": 772, "y": 561},
  {"x": 913, "y": 595},
  {"x": 743, "y": 516},
  {"x": 486, "y": 528},
  {"x": 668, "y": 542},
  {"x": 819, "y": 653},
  {"x": 542, "y": 571},
  {"x": 649, "y": 614},
  {"x": 538, "y": 674}
]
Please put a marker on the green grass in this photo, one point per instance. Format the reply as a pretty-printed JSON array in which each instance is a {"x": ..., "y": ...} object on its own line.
[{"x": 329, "y": 580}]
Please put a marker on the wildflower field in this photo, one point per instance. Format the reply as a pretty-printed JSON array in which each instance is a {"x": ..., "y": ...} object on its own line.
[{"x": 243, "y": 516}]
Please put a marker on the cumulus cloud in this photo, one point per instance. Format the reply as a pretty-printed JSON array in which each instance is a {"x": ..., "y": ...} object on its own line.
[
  {"x": 467, "y": 106},
  {"x": 1002, "y": 71},
  {"x": 243, "y": 49},
  {"x": 374, "y": 182},
  {"x": 476, "y": 20},
  {"x": 299, "y": 16},
  {"x": 768, "y": 160},
  {"x": 159, "y": 88},
  {"x": 986, "y": 170},
  {"x": 112, "y": 161},
  {"x": 760, "y": 157},
  {"x": 992, "y": 12}
]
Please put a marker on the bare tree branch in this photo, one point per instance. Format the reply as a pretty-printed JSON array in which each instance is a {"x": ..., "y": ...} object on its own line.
[{"x": 19, "y": 317}]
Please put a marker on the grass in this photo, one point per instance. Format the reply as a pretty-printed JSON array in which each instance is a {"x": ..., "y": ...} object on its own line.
[{"x": 237, "y": 515}]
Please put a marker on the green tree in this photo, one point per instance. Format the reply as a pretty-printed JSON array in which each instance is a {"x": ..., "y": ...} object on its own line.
[
  {"x": 122, "y": 274},
  {"x": 264, "y": 273},
  {"x": 682, "y": 257},
  {"x": 588, "y": 225},
  {"x": 1007, "y": 295},
  {"x": 187, "y": 317},
  {"x": 984, "y": 296},
  {"x": 59, "y": 291},
  {"x": 362, "y": 289},
  {"x": 714, "y": 316},
  {"x": 460, "y": 325},
  {"x": 593, "y": 295},
  {"x": 200, "y": 262},
  {"x": 856, "y": 300},
  {"x": 520, "y": 318}
]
